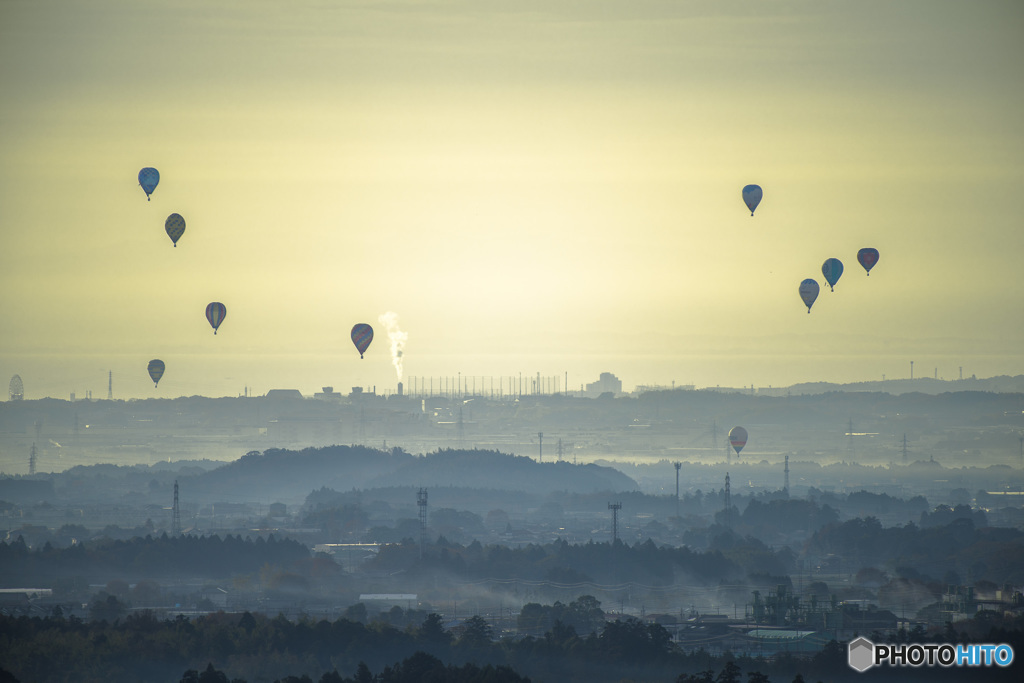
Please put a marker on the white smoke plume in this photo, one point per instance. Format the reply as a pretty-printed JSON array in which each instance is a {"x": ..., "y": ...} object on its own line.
[{"x": 398, "y": 338}]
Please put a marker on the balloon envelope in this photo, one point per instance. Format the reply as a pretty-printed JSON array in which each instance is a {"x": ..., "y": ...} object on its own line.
[
  {"x": 175, "y": 227},
  {"x": 868, "y": 257},
  {"x": 752, "y": 197},
  {"x": 215, "y": 313},
  {"x": 809, "y": 292},
  {"x": 362, "y": 335},
  {"x": 737, "y": 438},
  {"x": 832, "y": 269},
  {"x": 149, "y": 178},
  {"x": 156, "y": 370}
]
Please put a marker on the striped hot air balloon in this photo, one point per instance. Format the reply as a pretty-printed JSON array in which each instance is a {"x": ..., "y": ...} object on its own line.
[
  {"x": 362, "y": 335},
  {"x": 737, "y": 438},
  {"x": 215, "y": 313},
  {"x": 156, "y": 370}
]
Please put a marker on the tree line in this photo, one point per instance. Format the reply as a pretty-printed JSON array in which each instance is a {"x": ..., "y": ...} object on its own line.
[
  {"x": 255, "y": 648},
  {"x": 149, "y": 556}
]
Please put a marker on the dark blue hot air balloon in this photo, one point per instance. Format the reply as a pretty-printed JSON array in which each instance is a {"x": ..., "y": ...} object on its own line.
[{"x": 149, "y": 178}]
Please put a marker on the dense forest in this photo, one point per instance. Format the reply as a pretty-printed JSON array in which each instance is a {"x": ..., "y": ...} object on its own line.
[
  {"x": 258, "y": 649},
  {"x": 151, "y": 557},
  {"x": 951, "y": 552}
]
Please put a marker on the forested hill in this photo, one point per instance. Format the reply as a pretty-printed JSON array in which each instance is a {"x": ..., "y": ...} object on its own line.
[{"x": 283, "y": 474}]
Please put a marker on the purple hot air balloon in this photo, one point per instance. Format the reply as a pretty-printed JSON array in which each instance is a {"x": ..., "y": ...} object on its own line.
[{"x": 868, "y": 257}]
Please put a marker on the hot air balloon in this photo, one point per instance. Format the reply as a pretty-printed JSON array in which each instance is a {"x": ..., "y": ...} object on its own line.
[
  {"x": 148, "y": 179},
  {"x": 737, "y": 438},
  {"x": 832, "y": 269},
  {"x": 752, "y": 197},
  {"x": 175, "y": 227},
  {"x": 362, "y": 335},
  {"x": 215, "y": 313},
  {"x": 809, "y": 292},
  {"x": 868, "y": 257},
  {"x": 156, "y": 370}
]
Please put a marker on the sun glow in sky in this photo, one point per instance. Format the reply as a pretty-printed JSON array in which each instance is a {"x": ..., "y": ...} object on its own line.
[{"x": 546, "y": 187}]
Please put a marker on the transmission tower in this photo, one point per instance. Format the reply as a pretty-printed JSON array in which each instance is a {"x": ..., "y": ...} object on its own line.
[
  {"x": 560, "y": 448},
  {"x": 905, "y": 449},
  {"x": 110, "y": 385},
  {"x": 615, "y": 507},
  {"x": 540, "y": 443},
  {"x": 785, "y": 486},
  {"x": 176, "y": 513},
  {"x": 421, "y": 503},
  {"x": 677, "y": 465},
  {"x": 728, "y": 503},
  {"x": 32, "y": 459}
]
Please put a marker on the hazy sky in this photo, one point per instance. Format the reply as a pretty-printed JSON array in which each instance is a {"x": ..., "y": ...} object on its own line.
[{"x": 531, "y": 187}]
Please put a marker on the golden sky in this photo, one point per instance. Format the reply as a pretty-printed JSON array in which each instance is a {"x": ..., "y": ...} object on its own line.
[{"x": 531, "y": 187}]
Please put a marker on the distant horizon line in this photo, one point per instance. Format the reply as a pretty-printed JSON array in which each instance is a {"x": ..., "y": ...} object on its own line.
[{"x": 528, "y": 391}]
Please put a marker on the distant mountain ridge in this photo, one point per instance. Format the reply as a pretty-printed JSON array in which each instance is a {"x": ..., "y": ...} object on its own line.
[
  {"x": 284, "y": 474},
  {"x": 1003, "y": 384}
]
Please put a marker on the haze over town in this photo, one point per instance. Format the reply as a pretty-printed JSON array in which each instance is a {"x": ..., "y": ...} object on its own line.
[{"x": 600, "y": 434}]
